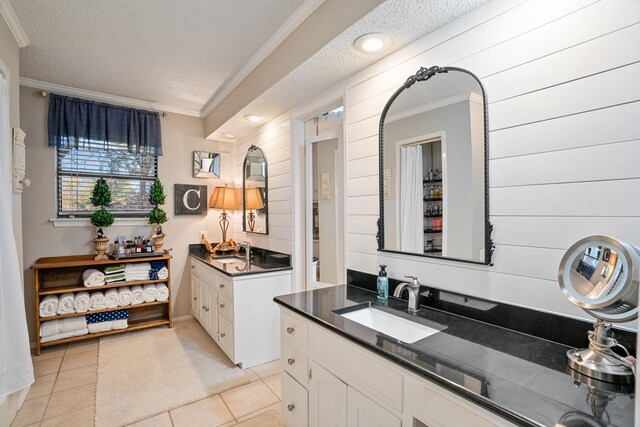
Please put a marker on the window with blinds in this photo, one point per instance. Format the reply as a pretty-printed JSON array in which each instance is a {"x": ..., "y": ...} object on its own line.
[{"x": 129, "y": 176}]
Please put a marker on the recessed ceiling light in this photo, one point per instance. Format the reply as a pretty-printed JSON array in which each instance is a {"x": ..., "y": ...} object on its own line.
[
  {"x": 372, "y": 43},
  {"x": 229, "y": 135},
  {"x": 254, "y": 118}
]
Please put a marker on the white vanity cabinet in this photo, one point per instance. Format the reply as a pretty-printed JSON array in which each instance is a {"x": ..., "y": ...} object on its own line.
[
  {"x": 239, "y": 312},
  {"x": 330, "y": 381}
]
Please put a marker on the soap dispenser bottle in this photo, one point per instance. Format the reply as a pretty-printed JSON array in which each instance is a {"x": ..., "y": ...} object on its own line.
[{"x": 383, "y": 284}]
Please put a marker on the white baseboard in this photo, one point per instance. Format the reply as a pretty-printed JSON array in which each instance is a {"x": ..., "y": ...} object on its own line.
[{"x": 9, "y": 406}]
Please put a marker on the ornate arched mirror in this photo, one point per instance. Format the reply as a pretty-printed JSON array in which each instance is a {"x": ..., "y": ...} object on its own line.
[
  {"x": 433, "y": 168},
  {"x": 255, "y": 214}
]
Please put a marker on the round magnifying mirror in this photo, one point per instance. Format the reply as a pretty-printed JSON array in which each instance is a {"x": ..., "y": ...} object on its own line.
[{"x": 600, "y": 274}]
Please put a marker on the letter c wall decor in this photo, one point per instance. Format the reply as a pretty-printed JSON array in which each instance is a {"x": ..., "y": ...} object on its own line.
[{"x": 190, "y": 199}]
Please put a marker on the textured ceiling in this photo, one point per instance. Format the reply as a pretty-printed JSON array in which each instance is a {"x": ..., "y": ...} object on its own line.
[
  {"x": 403, "y": 20},
  {"x": 176, "y": 53}
]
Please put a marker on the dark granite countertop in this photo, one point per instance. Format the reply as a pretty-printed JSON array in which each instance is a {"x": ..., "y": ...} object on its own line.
[
  {"x": 522, "y": 378},
  {"x": 262, "y": 261}
]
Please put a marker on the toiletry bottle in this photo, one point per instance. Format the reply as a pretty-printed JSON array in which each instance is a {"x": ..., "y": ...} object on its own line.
[{"x": 383, "y": 284}]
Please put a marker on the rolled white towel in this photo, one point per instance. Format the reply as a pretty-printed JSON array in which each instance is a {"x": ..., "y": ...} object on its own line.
[
  {"x": 93, "y": 277},
  {"x": 94, "y": 328},
  {"x": 150, "y": 293},
  {"x": 163, "y": 273},
  {"x": 49, "y": 306},
  {"x": 111, "y": 298},
  {"x": 82, "y": 302},
  {"x": 97, "y": 301},
  {"x": 137, "y": 295},
  {"x": 65, "y": 303},
  {"x": 163, "y": 292},
  {"x": 124, "y": 296},
  {"x": 120, "y": 324}
]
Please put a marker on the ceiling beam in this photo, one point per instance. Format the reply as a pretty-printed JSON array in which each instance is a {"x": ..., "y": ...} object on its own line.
[{"x": 328, "y": 21}]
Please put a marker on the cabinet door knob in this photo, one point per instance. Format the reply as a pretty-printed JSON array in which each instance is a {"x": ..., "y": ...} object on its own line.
[
  {"x": 193, "y": 266},
  {"x": 291, "y": 407},
  {"x": 221, "y": 285},
  {"x": 203, "y": 307},
  {"x": 221, "y": 305},
  {"x": 290, "y": 330},
  {"x": 222, "y": 335},
  {"x": 291, "y": 361},
  {"x": 195, "y": 298}
]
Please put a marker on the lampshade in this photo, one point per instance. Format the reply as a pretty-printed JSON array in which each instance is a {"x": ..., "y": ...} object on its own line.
[
  {"x": 254, "y": 199},
  {"x": 223, "y": 198}
]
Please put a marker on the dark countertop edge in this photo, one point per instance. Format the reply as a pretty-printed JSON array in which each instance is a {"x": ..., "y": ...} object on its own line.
[
  {"x": 450, "y": 386},
  {"x": 242, "y": 273}
]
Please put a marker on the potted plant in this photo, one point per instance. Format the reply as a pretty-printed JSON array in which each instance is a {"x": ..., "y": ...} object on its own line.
[
  {"x": 157, "y": 215},
  {"x": 101, "y": 218}
]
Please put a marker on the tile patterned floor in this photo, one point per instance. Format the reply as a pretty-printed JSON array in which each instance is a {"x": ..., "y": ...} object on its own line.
[{"x": 64, "y": 394}]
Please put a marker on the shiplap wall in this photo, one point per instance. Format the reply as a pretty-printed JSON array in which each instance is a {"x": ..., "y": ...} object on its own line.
[
  {"x": 275, "y": 141},
  {"x": 563, "y": 84}
]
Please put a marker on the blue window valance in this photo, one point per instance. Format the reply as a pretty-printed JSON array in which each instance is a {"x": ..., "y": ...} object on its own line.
[{"x": 74, "y": 123}]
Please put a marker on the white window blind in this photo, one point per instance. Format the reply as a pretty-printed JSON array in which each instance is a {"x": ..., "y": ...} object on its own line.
[{"x": 129, "y": 176}]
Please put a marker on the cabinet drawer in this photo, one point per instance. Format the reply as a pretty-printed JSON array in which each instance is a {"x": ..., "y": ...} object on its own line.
[
  {"x": 366, "y": 372},
  {"x": 295, "y": 403},
  {"x": 225, "y": 307},
  {"x": 224, "y": 285},
  {"x": 295, "y": 361},
  {"x": 225, "y": 337},
  {"x": 294, "y": 329}
]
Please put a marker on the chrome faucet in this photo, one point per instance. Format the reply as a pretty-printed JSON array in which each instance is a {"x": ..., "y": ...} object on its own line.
[
  {"x": 247, "y": 250},
  {"x": 414, "y": 293}
]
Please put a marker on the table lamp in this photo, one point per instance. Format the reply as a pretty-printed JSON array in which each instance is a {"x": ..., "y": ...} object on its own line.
[
  {"x": 224, "y": 198},
  {"x": 253, "y": 200}
]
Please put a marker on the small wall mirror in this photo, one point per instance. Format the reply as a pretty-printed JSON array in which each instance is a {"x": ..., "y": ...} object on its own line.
[
  {"x": 255, "y": 218},
  {"x": 206, "y": 165},
  {"x": 433, "y": 168}
]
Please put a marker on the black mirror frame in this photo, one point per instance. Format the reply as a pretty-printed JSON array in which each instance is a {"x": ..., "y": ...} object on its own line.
[
  {"x": 424, "y": 74},
  {"x": 244, "y": 192}
]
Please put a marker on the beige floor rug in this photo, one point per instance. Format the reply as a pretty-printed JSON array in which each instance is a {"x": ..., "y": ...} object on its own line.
[
  {"x": 268, "y": 419},
  {"x": 148, "y": 372}
]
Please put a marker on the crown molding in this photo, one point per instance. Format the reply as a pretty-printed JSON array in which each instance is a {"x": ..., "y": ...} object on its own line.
[
  {"x": 13, "y": 23},
  {"x": 105, "y": 97},
  {"x": 472, "y": 97},
  {"x": 273, "y": 42}
]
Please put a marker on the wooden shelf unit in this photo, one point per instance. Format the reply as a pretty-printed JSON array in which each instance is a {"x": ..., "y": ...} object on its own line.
[{"x": 58, "y": 275}]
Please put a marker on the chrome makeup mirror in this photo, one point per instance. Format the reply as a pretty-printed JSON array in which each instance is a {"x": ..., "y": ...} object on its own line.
[{"x": 600, "y": 275}]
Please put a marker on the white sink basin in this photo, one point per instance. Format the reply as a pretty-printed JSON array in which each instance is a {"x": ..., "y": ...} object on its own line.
[
  {"x": 227, "y": 260},
  {"x": 395, "y": 326}
]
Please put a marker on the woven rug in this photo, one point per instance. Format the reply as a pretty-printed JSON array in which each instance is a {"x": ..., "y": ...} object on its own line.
[
  {"x": 268, "y": 419},
  {"x": 144, "y": 373}
]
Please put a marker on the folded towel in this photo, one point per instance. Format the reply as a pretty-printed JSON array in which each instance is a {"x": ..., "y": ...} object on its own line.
[
  {"x": 97, "y": 301},
  {"x": 114, "y": 269},
  {"x": 163, "y": 273},
  {"x": 64, "y": 335},
  {"x": 111, "y": 298},
  {"x": 124, "y": 296},
  {"x": 92, "y": 277},
  {"x": 61, "y": 326},
  {"x": 137, "y": 295},
  {"x": 150, "y": 293},
  {"x": 137, "y": 276},
  {"x": 115, "y": 278},
  {"x": 82, "y": 302},
  {"x": 153, "y": 274},
  {"x": 137, "y": 267},
  {"x": 107, "y": 316},
  {"x": 157, "y": 264},
  {"x": 120, "y": 324},
  {"x": 65, "y": 303},
  {"x": 163, "y": 292},
  {"x": 95, "y": 328},
  {"x": 49, "y": 306}
]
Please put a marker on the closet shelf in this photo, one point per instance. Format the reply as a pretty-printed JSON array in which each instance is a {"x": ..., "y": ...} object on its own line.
[
  {"x": 430, "y": 231},
  {"x": 79, "y": 288},
  {"x": 63, "y": 316},
  {"x": 432, "y": 199},
  {"x": 88, "y": 261},
  {"x": 133, "y": 326},
  {"x": 433, "y": 216},
  {"x": 431, "y": 181}
]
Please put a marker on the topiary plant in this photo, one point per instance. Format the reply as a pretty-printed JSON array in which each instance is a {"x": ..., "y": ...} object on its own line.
[
  {"x": 157, "y": 197},
  {"x": 101, "y": 197}
]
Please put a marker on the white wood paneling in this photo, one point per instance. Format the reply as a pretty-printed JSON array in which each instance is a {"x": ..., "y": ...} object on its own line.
[{"x": 562, "y": 81}]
